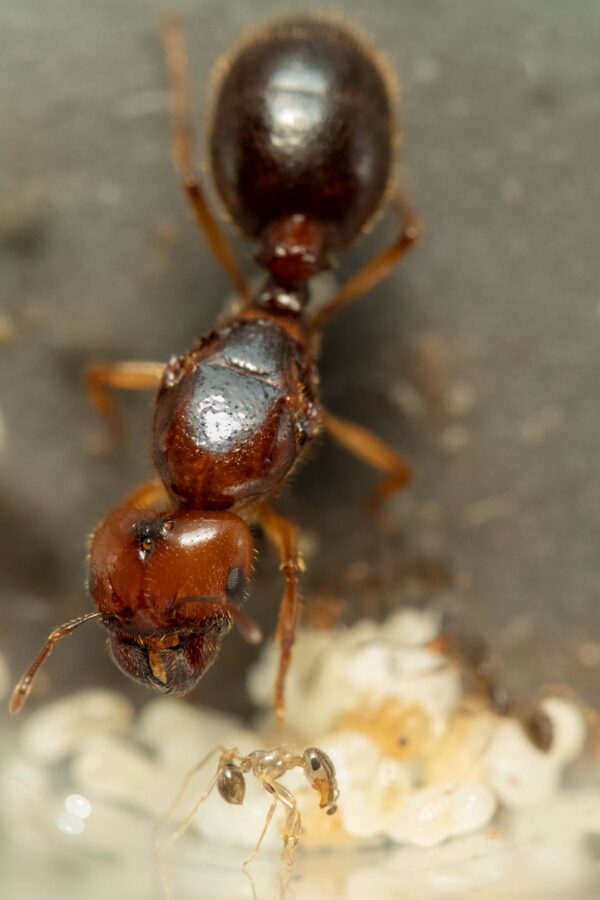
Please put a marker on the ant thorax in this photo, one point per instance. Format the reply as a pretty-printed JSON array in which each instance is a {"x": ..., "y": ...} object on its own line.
[{"x": 233, "y": 416}]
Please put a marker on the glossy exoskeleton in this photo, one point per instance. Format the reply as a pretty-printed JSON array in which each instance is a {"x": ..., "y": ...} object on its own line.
[{"x": 302, "y": 151}]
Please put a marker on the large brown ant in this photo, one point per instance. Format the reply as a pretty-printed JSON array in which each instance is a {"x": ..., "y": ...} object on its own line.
[{"x": 302, "y": 146}]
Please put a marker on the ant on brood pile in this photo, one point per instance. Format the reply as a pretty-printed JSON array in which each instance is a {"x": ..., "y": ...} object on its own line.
[
  {"x": 267, "y": 766},
  {"x": 302, "y": 145}
]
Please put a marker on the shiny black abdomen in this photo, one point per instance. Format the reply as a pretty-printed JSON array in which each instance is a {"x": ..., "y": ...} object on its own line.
[
  {"x": 232, "y": 416},
  {"x": 303, "y": 123}
]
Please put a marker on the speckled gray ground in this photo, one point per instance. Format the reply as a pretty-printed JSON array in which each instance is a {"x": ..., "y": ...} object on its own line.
[{"x": 478, "y": 359}]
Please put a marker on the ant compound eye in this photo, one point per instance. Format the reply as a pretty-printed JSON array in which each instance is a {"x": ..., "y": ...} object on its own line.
[
  {"x": 317, "y": 762},
  {"x": 148, "y": 534},
  {"x": 236, "y": 585},
  {"x": 231, "y": 785}
]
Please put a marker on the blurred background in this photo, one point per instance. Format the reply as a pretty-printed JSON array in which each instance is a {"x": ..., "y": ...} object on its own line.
[{"x": 478, "y": 359}]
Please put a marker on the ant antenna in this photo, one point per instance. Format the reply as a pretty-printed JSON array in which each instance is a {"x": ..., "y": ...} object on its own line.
[{"x": 25, "y": 683}]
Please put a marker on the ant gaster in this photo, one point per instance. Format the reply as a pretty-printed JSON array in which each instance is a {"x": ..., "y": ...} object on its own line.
[{"x": 302, "y": 145}]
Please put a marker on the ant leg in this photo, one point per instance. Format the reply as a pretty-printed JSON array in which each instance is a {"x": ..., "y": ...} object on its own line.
[
  {"x": 268, "y": 820},
  {"x": 25, "y": 683},
  {"x": 373, "y": 451},
  {"x": 158, "y": 848},
  {"x": 292, "y": 830},
  {"x": 128, "y": 376},
  {"x": 377, "y": 269},
  {"x": 284, "y": 537},
  {"x": 292, "y": 833},
  {"x": 150, "y": 494},
  {"x": 182, "y": 149}
]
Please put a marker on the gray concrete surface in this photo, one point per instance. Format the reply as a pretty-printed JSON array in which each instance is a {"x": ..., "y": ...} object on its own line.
[{"x": 478, "y": 359}]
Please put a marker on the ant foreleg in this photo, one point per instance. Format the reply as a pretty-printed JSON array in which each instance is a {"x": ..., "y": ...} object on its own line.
[
  {"x": 128, "y": 376},
  {"x": 177, "y": 69},
  {"x": 377, "y": 269},
  {"x": 373, "y": 451},
  {"x": 284, "y": 537}
]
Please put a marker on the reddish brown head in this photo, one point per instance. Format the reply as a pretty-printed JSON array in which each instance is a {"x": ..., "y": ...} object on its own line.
[{"x": 169, "y": 589}]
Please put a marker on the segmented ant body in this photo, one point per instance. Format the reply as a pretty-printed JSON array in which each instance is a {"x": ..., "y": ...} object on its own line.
[
  {"x": 267, "y": 766},
  {"x": 302, "y": 147}
]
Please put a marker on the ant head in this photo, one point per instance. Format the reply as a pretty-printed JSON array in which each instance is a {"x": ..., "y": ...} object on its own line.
[
  {"x": 320, "y": 774},
  {"x": 168, "y": 588}
]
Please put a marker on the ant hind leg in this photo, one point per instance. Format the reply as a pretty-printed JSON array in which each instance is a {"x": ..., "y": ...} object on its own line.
[
  {"x": 158, "y": 848},
  {"x": 375, "y": 452},
  {"x": 265, "y": 828},
  {"x": 378, "y": 268},
  {"x": 182, "y": 148}
]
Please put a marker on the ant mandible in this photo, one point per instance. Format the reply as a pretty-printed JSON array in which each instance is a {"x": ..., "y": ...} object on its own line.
[{"x": 302, "y": 145}]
